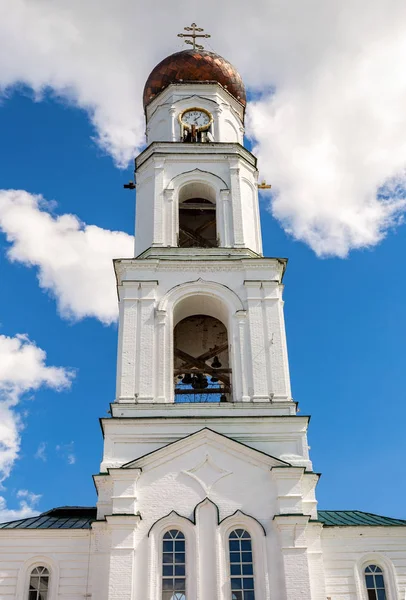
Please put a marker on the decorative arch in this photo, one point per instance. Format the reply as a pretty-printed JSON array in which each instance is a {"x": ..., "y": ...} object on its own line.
[
  {"x": 197, "y": 175},
  {"x": 200, "y": 287},
  {"x": 172, "y": 521},
  {"x": 240, "y": 520},
  {"x": 379, "y": 559},
  {"x": 210, "y": 189},
  {"x": 26, "y": 570}
]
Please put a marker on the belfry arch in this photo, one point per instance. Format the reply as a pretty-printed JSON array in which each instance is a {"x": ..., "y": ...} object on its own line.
[
  {"x": 196, "y": 217},
  {"x": 202, "y": 323}
]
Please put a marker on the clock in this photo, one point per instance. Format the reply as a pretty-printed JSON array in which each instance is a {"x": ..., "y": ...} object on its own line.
[{"x": 200, "y": 118}]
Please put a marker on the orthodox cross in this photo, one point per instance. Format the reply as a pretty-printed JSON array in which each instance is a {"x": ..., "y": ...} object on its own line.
[
  {"x": 263, "y": 185},
  {"x": 194, "y": 35}
]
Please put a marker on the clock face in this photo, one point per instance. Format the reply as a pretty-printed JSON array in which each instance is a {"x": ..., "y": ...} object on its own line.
[{"x": 198, "y": 117}]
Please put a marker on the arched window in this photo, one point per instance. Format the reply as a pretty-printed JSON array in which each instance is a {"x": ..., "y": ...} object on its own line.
[
  {"x": 241, "y": 565},
  {"x": 173, "y": 566},
  {"x": 375, "y": 583},
  {"x": 39, "y": 584},
  {"x": 197, "y": 216}
]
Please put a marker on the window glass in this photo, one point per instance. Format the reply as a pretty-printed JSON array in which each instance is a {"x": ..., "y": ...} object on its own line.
[
  {"x": 39, "y": 583},
  {"x": 173, "y": 566},
  {"x": 375, "y": 583},
  {"x": 241, "y": 565}
]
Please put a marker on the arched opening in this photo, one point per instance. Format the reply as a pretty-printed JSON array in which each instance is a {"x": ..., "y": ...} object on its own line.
[
  {"x": 202, "y": 370},
  {"x": 197, "y": 216}
]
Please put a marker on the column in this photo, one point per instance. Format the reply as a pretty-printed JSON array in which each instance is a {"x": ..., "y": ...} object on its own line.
[
  {"x": 225, "y": 219},
  {"x": 161, "y": 362},
  {"x": 241, "y": 365},
  {"x": 171, "y": 232}
]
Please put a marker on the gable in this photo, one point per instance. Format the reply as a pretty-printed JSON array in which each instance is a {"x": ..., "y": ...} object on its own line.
[{"x": 208, "y": 438}]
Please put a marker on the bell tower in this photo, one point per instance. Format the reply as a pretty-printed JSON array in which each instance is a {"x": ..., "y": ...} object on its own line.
[{"x": 203, "y": 389}]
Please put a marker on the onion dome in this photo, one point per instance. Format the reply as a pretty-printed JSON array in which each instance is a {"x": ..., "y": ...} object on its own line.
[{"x": 194, "y": 66}]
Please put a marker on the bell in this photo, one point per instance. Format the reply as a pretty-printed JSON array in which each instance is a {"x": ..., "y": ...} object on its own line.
[
  {"x": 216, "y": 364},
  {"x": 187, "y": 379},
  {"x": 200, "y": 382},
  {"x": 223, "y": 398},
  {"x": 214, "y": 379}
]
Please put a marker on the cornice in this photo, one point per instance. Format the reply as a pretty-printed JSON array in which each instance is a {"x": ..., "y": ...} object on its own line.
[{"x": 196, "y": 151}]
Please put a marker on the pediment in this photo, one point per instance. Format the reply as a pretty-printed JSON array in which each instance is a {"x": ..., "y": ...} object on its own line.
[{"x": 207, "y": 470}]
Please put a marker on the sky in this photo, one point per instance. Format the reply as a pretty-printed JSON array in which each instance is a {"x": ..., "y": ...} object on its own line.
[{"x": 327, "y": 92}]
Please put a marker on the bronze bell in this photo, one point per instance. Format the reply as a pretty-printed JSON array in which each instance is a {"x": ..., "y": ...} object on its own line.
[{"x": 216, "y": 364}]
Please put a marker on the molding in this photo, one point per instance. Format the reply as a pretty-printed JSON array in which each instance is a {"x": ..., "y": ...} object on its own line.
[
  {"x": 240, "y": 516},
  {"x": 389, "y": 573},
  {"x": 169, "y": 518},
  {"x": 187, "y": 177},
  {"x": 207, "y": 473},
  {"x": 24, "y": 573}
]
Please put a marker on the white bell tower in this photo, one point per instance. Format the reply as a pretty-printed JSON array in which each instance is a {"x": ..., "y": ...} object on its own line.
[{"x": 203, "y": 390}]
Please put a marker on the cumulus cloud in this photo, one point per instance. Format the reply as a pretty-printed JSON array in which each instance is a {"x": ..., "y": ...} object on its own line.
[
  {"x": 23, "y": 369},
  {"x": 74, "y": 260},
  {"x": 329, "y": 123},
  {"x": 27, "y": 507}
]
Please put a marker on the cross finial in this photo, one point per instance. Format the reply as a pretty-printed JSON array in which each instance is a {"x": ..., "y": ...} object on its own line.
[{"x": 193, "y": 28}]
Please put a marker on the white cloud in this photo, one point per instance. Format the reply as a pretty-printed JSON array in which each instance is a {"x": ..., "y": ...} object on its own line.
[
  {"x": 27, "y": 507},
  {"x": 67, "y": 452},
  {"x": 41, "y": 452},
  {"x": 331, "y": 135},
  {"x": 23, "y": 369},
  {"x": 74, "y": 260}
]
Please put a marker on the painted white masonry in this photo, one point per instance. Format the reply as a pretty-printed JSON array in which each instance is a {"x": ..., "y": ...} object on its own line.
[{"x": 205, "y": 468}]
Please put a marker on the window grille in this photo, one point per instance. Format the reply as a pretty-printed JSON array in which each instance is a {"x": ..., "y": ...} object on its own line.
[
  {"x": 375, "y": 583},
  {"x": 39, "y": 583},
  {"x": 173, "y": 566},
  {"x": 241, "y": 565}
]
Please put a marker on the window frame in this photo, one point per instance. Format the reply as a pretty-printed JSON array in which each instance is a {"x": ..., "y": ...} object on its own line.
[
  {"x": 25, "y": 571},
  {"x": 239, "y": 520},
  {"x": 156, "y": 534},
  {"x": 242, "y": 576},
  {"x": 384, "y": 563},
  {"x": 173, "y": 576}
]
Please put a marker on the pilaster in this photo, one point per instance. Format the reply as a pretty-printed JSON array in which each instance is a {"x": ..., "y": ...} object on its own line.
[
  {"x": 292, "y": 534},
  {"x": 238, "y": 230},
  {"x": 146, "y": 341},
  {"x": 121, "y": 572},
  {"x": 207, "y": 521},
  {"x": 159, "y": 212},
  {"x": 260, "y": 385}
]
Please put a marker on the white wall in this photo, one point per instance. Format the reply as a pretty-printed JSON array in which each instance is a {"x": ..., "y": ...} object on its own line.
[{"x": 65, "y": 553}]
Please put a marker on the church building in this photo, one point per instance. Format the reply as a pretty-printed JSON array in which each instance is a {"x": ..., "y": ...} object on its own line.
[{"x": 206, "y": 489}]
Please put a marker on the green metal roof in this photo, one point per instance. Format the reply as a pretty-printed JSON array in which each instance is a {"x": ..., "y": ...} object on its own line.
[
  {"x": 81, "y": 517},
  {"x": 64, "y": 517},
  {"x": 355, "y": 518}
]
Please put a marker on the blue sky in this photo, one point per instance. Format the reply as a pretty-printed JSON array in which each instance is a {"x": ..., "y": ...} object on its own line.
[{"x": 345, "y": 321}]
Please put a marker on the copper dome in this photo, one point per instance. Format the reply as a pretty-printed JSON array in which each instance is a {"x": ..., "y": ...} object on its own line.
[{"x": 194, "y": 65}]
